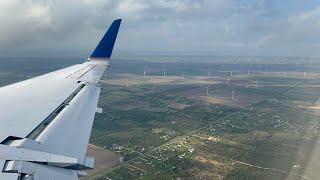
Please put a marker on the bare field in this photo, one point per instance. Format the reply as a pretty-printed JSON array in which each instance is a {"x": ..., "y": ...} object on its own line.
[
  {"x": 131, "y": 79},
  {"x": 103, "y": 159},
  {"x": 226, "y": 101},
  {"x": 247, "y": 87}
]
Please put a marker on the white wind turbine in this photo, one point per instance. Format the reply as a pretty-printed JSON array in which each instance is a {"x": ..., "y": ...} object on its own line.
[{"x": 232, "y": 95}]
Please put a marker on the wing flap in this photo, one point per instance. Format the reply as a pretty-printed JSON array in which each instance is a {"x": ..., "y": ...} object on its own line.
[
  {"x": 72, "y": 126},
  {"x": 36, "y": 171}
]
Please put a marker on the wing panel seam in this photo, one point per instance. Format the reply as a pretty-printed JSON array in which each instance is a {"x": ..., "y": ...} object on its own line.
[{"x": 41, "y": 127}]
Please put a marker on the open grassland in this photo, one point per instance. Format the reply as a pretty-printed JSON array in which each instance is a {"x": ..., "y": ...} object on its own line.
[
  {"x": 170, "y": 128},
  {"x": 157, "y": 127}
]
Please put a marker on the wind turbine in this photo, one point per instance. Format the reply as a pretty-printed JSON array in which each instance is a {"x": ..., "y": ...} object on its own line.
[
  {"x": 164, "y": 74},
  {"x": 182, "y": 76},
  {"x": 209, "y": 74},
  {"x": 248, "y": 72},
  {"x": 232, "y": 95},
  {"x": 208, "y": 90},
  {"x": 265, "y": 72},
  {"x": 228, "y": 81},
  {"x": 145, "y": 69},
  {"x": 256, "y": 83},
  {"x": 284, "y": 74},
  {"x": 230, "y": 73}
]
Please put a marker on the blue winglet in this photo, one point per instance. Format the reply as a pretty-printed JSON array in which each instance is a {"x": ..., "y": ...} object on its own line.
[{"x": 104, "y": 49}]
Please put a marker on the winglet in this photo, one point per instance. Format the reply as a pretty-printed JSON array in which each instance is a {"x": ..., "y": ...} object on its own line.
[{"x": 104, "y": 49}]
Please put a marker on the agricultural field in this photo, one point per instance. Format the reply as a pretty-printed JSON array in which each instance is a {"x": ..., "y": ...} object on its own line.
[
  {"x": 206, "y": 117},
  {"x": 186, "y": 124}
]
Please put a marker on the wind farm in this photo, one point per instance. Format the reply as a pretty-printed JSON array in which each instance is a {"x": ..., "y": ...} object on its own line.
[
  {"x": 170, "y": 119},
  {"x": 228, "y": 118}
]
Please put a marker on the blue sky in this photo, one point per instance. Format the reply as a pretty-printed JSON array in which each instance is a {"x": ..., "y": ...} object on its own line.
[{"x": 233, "y": 27}]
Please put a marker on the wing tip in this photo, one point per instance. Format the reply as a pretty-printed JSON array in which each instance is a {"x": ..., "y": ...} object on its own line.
[{"x": 105, "y": 47}]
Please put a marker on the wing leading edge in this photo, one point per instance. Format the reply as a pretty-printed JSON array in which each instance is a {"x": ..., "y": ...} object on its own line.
[{"x": 48, "y": 128}]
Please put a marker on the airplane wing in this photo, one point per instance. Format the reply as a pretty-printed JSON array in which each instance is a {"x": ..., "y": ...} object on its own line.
[{"x": 45, "y": 122}]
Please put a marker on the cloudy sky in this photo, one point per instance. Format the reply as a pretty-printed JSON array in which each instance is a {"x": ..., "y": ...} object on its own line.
[{"x": 236, "y": 27}]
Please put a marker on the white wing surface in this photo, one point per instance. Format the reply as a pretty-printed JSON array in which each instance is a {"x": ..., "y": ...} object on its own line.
[{"x": 45, "y": 122}]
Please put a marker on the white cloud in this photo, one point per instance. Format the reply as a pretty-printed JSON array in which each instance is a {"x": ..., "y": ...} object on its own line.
[
  {"x": 227, "y": 28},
  {"x": 306, "y": 17},
  {"x": 39, "y": 13},
  {"x": 181, "y": 25},
  {"x": 131, "y": 6},
  {"x": 262, "y": 41},
  {"x": 175, "y": 5},
  {"x": 39, "y": 22},
  {"x": 97, "y": 3},
  {"x": 306, "y": 22}
]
